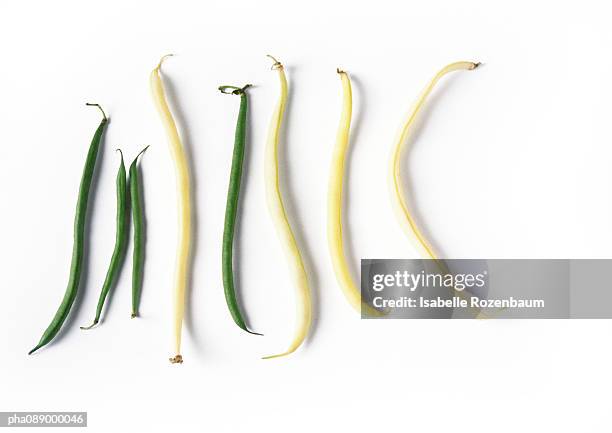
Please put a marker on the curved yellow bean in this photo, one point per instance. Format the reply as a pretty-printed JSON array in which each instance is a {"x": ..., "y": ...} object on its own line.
[
  {"x": 184, "y": 206},
  {"x": 397, "y": 192},
  {"x": 334, "y": 204},
  {"x": 279, "y": 218},
  {"x": 404, "y": 216}
]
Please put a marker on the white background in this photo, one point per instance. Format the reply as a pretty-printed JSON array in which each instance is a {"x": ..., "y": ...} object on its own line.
[{"x": 511, "y": 161}]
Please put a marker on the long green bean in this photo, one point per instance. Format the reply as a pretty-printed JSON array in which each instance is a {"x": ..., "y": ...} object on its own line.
[
  {"x": 231, "y": 208},
  {"x": 138, "y": 222},
  {"x": 76, "y": 265},
  {"x": 120, "y": 241}
]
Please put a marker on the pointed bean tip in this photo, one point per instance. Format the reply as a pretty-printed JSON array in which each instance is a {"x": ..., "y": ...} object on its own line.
[
  {"x": 142, "y": 151},
  {"x": 33, "y": 350},
  {"x": 85, "y": 328},
  {"x": 279, "y": 355}
]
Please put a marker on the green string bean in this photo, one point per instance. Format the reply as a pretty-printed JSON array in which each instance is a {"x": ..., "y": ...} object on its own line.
[
  {"x": 76, "y": 265},
  {"x": 138, "y": 222},
  {"x": 231, "y": 208},
  {"x": 120, "y": 241}
]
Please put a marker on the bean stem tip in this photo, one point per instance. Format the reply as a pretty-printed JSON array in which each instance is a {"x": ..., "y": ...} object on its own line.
[
  {"x": 164, "y": 57},
  {"x": 90, "y": 104},
  {"x": 178, "y": 359},
  {"x": 277, "y": 64},
  {"x": 233, "y": 90}
]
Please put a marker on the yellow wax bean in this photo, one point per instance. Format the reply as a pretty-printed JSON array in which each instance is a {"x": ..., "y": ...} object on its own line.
[
  {"x": 183, "y": 203},
  {"x": 398, "y": 195},
  {"x": 397, "y": 192},
  {"x": 281, "y": 223},
  {"x": 334, "y": 204}
]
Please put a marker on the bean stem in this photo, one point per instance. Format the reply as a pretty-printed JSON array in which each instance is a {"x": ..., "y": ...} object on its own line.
[
  {"x": 279, "y": 218},
  {"x": 76, "y": 265},
  {"x": 183, "y": 190},
  {"x": 120, "y": 241},
  {"x": 231, "y": 207}
]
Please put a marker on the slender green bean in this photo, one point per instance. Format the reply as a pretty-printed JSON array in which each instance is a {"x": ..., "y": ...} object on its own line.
[
  {"x": 138, "y": 222},
  {"x": 120, "y": 241},
  {"x": 76, "y": 265},
  {"x": 231, "y": 208}
]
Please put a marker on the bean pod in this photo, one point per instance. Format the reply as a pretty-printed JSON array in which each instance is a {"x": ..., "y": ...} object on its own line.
[
  {"x": 398, "y": 195},
  {"x": 334, "y": 204},
  {"x": 231, "y": 207},
  {"x": 139, "y": 235},
  {"x": 76, "y": 265},
  {"x": 281, "y": 222},
  {"x": 120, "y": 241},
  {"x": 183, "y": 189}
]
